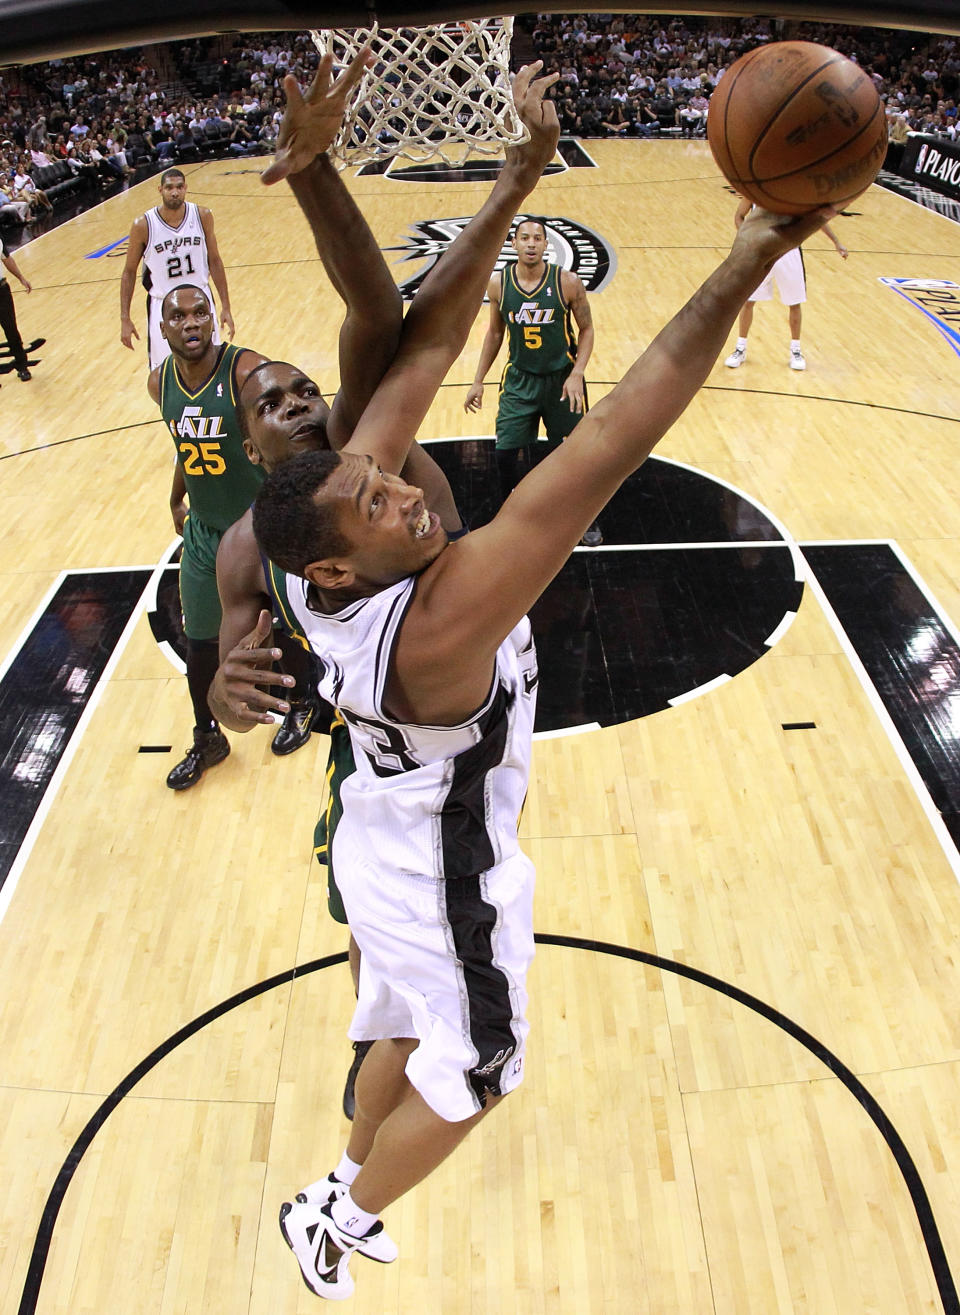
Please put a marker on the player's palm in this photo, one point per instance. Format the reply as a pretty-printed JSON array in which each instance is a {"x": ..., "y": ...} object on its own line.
[
  {"x": 773, "y": 234},
  {"x": 311, "y": 121},
  {"x": 539, "y": 116}
]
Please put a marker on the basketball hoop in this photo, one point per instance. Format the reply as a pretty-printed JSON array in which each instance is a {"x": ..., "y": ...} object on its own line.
[{"x": 440, "y": 90}]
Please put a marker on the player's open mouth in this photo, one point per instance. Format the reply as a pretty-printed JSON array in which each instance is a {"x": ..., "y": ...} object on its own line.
[
  {"x": 305, "y": 431},
  {"x": 426, "y": 524}
]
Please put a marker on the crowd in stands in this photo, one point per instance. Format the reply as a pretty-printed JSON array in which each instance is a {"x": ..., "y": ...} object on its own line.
[
  {"x": 642, "y": 75},
  {"x": 100, "y": 120},
  {"x": 97, "y": 121}
]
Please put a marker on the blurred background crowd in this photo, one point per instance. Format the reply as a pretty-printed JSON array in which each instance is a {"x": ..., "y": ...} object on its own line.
[{"x": 72, "y": 128}]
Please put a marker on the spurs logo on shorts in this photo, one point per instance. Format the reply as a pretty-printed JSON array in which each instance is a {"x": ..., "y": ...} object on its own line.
[{"x": 495, "y": 1064}]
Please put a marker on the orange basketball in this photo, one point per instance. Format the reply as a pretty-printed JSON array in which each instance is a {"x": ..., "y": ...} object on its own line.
[{"x": 794, "y": 125}]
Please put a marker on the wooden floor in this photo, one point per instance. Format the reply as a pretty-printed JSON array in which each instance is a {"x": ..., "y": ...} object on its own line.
[{"x": 672, "y": 1151}]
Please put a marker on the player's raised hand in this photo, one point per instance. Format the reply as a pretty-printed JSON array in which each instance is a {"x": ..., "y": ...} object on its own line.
[
  {"x": 765, "y": 236},
  {"x": 539, "y": 117},
  {"x": 311, "y": 121},
  {"x": 238, "y": 696}
]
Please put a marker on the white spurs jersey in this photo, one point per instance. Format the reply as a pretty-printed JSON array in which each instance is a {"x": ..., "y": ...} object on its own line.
[
  {"x": 175, "y": 255},
  {"x": 436, "y": 801}
]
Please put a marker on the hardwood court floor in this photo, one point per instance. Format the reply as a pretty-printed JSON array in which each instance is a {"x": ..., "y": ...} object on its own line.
[{"x": 677, "y": 1147}]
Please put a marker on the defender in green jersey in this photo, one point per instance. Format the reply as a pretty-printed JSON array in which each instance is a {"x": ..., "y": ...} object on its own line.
[
  {"x": 535, "y": 303},
  {"x": 196, "y": 388}
]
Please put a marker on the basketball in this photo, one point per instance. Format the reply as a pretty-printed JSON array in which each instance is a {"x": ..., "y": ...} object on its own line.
[{"x": 794, "y": 125}]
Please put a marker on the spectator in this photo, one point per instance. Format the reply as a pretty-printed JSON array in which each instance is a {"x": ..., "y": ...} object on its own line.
[
  {"x": 665, "y": 108},
  {"x": 693, "y": 116},
  {"x": 186, "y": 145},
  {"x": 25, "y": 189},
  {"x": 10, "y": 207}
]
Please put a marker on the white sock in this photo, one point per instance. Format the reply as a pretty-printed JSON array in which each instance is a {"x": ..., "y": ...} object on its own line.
[
  {"x": 348, "y": 1216},
  {"x": 741, "y": 344},
  {"x": 347, "y": 1170},
  {"x": 794, "y": 344}
]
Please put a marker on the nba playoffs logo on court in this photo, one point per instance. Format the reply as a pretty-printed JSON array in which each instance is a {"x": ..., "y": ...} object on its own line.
[
  {"x": 937, "y": 299},
  {"x": 569, "y": 245}
]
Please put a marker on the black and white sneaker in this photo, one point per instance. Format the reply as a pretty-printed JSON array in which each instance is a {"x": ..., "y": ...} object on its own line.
[
  {"x": 376, "y": 1245},
  {"x": 322, "y": 1250}
]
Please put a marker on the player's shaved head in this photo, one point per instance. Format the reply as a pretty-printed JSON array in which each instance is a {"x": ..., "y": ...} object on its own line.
[{"x": 183, "y": 287}]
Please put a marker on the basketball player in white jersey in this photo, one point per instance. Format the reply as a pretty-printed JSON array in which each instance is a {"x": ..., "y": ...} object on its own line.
[
  {"x": 788, "y": 275},
  {"x": 427, "y": 652},
  {"x": 176, "y": 244}
]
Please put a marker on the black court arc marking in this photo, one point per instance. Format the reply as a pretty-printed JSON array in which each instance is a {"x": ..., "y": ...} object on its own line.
[{"x": 908, "y": 1170}]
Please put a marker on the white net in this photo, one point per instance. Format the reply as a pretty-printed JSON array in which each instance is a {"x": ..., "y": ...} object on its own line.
[{"x": 441, "y": 90}]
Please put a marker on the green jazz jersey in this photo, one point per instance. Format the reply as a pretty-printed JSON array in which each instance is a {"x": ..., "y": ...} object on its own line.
[
  {"x": 540, "y": 323},
  {"x": 220, "y": 479}
]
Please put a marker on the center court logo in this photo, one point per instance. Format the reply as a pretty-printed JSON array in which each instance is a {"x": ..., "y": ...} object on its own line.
[
  {"x": 570, "y": 245},
  {"x": 937, "y": 299}
]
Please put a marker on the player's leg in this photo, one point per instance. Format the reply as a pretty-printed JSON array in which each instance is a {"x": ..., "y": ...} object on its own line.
[
  {"x": 340, "y": 765},
  {"x": 200, "y": 602},
  {"x": 788, "y": 273},
  {"x": 560, "y": 421},
  {"x": 463, "y": 981},
  {"x": 8, "y": 322},
  {"x": 797, "y": 358},
  {"x": 518, "y": 421},
  {"x": 737, "y": 356},
  {"x": 452, "y": 972}
]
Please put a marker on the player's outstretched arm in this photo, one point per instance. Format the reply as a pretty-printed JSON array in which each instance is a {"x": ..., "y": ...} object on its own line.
[
  {"x": 351, "y": 257},
  {"x": 439, "y": 320},
  {"x": 358, "y": 272},
  {"x": 475, "y": 593}
]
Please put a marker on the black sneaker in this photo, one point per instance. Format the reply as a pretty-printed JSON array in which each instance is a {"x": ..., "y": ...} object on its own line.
[
  {"x": 592, "y": 537},
  {"x": 360, "y": 1049},
  {"x": 295, "y": 728},
  {"x": 209, "y": 748}
]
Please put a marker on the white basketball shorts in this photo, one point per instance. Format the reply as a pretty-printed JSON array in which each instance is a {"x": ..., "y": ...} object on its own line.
[
  {"x": 444, "y": 962},
  {"x": 787, "y": 273}
]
